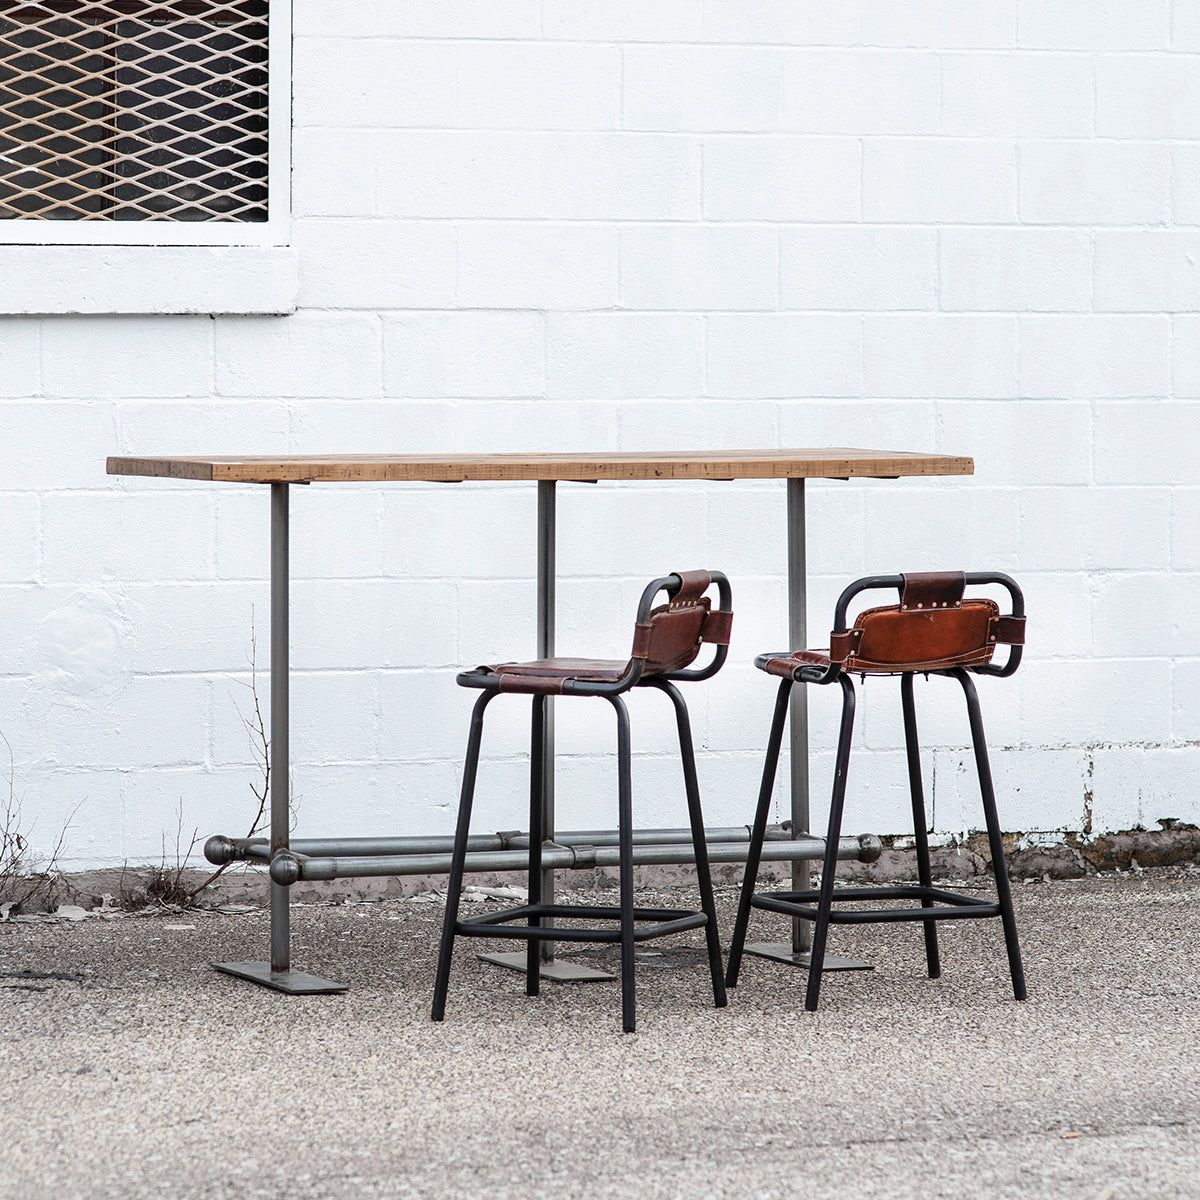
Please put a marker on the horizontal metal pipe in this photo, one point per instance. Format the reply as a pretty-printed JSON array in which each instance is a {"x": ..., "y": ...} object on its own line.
[
  {"x": 651, "y": 837},
  {"x": 292, "y": 867},
  {"x": 369, "y": 847},
  {"x": 222, "y": 849}
]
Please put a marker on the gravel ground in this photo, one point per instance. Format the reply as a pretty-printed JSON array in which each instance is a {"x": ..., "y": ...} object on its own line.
[{"x": 129, "y": 1068}]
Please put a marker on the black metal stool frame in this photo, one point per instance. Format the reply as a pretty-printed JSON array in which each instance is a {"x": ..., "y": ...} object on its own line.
[
  {"x": 937, "y": 904},
  {"x": 663, "y": 921}
]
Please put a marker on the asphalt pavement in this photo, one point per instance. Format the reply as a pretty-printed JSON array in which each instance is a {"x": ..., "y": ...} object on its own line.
[{"x": 130, "y": 1068}]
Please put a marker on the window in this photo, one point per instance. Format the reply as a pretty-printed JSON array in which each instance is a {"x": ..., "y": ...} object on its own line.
[{"x": 140, "y": 121}]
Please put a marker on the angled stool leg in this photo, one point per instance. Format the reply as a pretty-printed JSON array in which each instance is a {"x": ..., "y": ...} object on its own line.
[
  {"x": 995, "y": 842},
  {"x": 816, "y": 961},
  {"x": 625, "y": 857},
  {"x": 757, "y": 833},
  {"x": 537, "y": 835},
  {"x": 921, "y": 833},
  {"x": 459, "y": 857},
  {"x": 703, "y": 873}
]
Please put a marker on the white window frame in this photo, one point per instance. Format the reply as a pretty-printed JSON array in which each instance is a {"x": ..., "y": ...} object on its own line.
[{"x": 274, "y": 231}]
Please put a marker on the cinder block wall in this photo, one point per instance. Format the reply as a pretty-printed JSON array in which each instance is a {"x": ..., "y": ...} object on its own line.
[{"x": 970, "y": 228}]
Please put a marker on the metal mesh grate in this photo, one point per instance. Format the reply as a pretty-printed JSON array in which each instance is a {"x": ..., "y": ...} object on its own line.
[{"x": 133, "y": 110}]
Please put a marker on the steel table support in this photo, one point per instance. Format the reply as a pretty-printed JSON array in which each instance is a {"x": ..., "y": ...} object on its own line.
[
  {"x": 553, "y": 969},
  {"x": 797, "y": 554},
  {"x": 547, "y": 601},
  {"x": 278, "y": 973}
]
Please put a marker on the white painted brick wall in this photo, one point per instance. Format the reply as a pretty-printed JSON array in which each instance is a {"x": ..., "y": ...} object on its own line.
[
  {"x": 556, "y": 224},
  {"x": 86, "y": 358},
  {"x": 704, "y": 88},
  {"x": 943, "y": 24},
  {"x": 703, "y": 267},
  {"x": 1151, "y": 271},
  {"x": 535, "y": 265},
  {"x": 861, "y": 91},
  {"x": 623, "y": 21},
  {"x": 779, "y": 22},
  {"x": 612, "y": 177},
  {"x": 782, "y": 178},
  {"x": 23, "y": 517},
  {"x": 1042, "y": 270},
  {"x": 624, "y": 356},
  {"x": 1028, "y": 437},
  {"x": 1019, "y": 95},
  {"x": 841, "y": 267},
  {"x": 1087, "y": 25},
  {"x": 927, "y": 181},
  {"x": 464, "y": 354},
  {"x": 1070, "y": 183},
  {"x": 340, "y": 268},
  {"x": 1147, "y": 95},
  {"x": 1185, "y": 26},
  {"x": 1094, "y": 356},
  {"x": 1186, "y": 358},
  {"x": 930, "y": 356},
  {"x": 1185, "y": 520},
  {"x": 20, "y": 352},
  {"x": 314, "y": 353},
  {"x": 784, "y": 354}
]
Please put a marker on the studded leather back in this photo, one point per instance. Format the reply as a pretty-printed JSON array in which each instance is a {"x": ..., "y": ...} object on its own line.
[
  {"x": 671, "y": 637},
  {"x": 933, "y": 628}
]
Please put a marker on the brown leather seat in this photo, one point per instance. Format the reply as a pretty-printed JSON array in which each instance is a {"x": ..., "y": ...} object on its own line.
[
  {"x": 667, "y": 639},
  {"x": 934, "y": 629},
  {"x": 544, "y": 674}
]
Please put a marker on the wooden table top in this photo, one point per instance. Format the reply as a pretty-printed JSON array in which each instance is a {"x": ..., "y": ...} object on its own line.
[{"x": 823, "y": 463}]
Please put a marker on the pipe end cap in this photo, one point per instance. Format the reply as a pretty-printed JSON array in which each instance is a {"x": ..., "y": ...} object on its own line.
[
  {"x": 869, "y": 848},
  {"x": 285, "y": 869},
  {"x": 220, "y": 850}
]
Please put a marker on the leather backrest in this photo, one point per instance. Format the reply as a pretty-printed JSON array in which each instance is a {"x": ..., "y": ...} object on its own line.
[
  {"x": 895, "y": 639},
  {"x": 932, "y": 628},
  {"x": 671, "y": 637}
]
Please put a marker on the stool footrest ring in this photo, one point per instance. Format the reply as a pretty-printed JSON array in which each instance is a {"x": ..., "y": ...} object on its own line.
[
  {"x": 954, "y": 906},
  {"x": 494, "y": 925}
]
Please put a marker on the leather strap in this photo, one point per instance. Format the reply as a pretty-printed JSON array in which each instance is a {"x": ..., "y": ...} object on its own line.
[
  {"x": 694, "y": 584},
  {"x": 532, "y": 686},
  {"x": 1009, "y": 630},
  {"x": 642, "y": 632},
  {"x": 842, "y": 645},
  {"x": 932, "y": 589},
  {"x": 717, "y": 627}
]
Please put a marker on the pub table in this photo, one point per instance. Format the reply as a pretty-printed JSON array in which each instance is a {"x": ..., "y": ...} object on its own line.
[{"x": 289, "y": 861}]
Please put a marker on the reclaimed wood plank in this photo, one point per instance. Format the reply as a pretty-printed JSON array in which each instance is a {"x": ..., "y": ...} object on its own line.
[{"x": 820, "y": 463}]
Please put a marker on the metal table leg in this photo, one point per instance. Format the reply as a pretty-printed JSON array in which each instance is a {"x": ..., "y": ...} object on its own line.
[
  {"x": 797, "y": 953},
  {"x": 278, "y": 973},
  {"x": 556, "y": 970}
]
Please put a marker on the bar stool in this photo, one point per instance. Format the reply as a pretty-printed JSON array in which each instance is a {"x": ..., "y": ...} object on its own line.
[
  {"x": 933, "y": 630},
  {"x": 666, "y": 640}
]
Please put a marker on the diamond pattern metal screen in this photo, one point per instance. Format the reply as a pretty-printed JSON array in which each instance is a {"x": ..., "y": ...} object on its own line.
[{"x": 133, "y": 111}]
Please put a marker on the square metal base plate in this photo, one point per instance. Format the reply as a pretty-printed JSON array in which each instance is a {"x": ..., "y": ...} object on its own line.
[
  {"x": 296, "y": 983},
  {"x": 557, "y": 970},
  {"x": 783, "y": 952}
]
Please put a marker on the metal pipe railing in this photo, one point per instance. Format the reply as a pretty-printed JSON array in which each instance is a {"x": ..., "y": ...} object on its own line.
[
  {"x": 221, "y": 849},
  {"x": 347, "y": 858},
  {"x": 290, "y": 867}
]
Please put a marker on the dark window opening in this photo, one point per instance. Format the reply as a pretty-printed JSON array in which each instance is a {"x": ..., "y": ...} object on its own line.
[{"x": 133, "y": 110}]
